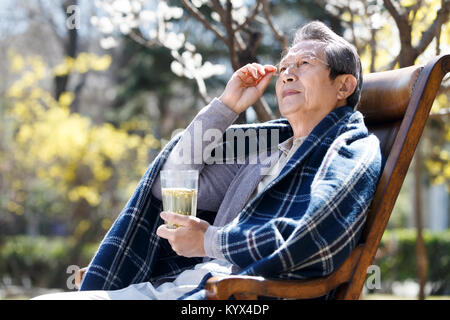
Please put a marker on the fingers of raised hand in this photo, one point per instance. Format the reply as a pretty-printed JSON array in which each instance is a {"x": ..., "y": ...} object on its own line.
[{"x": 251, "y": 73}]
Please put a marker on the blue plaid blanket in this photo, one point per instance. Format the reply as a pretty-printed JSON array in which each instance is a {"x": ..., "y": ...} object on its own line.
[{"x": 303, "y": 225}]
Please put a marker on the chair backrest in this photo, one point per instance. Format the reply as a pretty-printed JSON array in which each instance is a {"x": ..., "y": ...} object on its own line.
[{"x": 396, "y": 105}]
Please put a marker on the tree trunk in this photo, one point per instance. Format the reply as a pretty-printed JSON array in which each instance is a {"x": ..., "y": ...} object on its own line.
[
  {"x": 407, "y": 56},
  {"x": 421, "y": 253},
  {"x": 70, "y": 50}
]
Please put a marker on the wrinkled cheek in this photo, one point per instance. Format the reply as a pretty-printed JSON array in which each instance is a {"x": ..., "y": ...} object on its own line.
[
  {"x": 278, "y": 92},
  {"x": 314, "y": 96},
  {"x": 307, "y": 97},
  {"x": 279, "y": 99}
]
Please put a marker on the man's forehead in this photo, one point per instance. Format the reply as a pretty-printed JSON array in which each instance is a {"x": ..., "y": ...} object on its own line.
[{"x": 309, "y": 47}]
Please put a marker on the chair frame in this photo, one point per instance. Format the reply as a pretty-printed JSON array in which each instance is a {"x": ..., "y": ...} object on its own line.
[{"x": 349, "y": 278}]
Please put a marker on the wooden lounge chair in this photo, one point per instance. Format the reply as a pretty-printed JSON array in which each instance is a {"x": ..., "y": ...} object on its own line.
[{"x": 396, "y": 105}]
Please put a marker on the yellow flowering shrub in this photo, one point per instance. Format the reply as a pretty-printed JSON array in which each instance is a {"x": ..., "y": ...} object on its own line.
[{"x": 51, "y": 150}]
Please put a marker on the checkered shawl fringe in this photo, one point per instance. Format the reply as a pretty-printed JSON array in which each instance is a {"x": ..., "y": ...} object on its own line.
[{"x": 303, "y": 225}]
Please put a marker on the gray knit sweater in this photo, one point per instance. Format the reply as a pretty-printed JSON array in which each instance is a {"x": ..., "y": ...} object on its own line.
[{"x": 223, "y": 188}]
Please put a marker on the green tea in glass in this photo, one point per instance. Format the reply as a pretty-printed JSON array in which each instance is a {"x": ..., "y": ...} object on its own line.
[{"x": 179, "y": 190}]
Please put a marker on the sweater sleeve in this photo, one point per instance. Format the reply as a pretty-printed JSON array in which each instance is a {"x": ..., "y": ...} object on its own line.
[
  {"x": 214, "y": 179},
  {"x": 212, "y": 243},
  {"x": 188, "y": 154}
]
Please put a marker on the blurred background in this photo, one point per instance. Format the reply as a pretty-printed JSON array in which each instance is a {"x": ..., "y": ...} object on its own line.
[{"x": 90, "y": 91}]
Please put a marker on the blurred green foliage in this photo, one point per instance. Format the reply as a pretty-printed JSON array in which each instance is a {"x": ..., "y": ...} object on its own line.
[
  {"x": 41, "y": 260},
  {"x": 397, "y": 259}
]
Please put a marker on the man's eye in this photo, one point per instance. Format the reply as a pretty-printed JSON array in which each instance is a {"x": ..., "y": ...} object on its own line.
[{"x": 282, "y": 69}]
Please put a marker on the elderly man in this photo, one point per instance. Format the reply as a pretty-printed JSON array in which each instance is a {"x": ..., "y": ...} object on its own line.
[{"x": 299, "y": 218}]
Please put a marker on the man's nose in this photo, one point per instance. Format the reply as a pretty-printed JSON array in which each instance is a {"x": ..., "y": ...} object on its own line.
[{"x": 288, "y": 76}]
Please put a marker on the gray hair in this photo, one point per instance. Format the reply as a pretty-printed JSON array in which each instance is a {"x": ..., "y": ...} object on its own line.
[{"x": 341, "y": 55}]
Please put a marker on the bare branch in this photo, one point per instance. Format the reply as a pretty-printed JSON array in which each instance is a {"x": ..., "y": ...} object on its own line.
[
  {"x": 200, "y": 17},
  {"x": 414, "y": 9},
  {"x": 218, "y": 9},
  {"x": 373, "y": 48},
  {"x": 352, "y": 26},
  {"x": 407, "y": 52},
  {"x": 250, "y": 17},
  {"x": 401, "y": 20},
  {"x": 234, "y": 41},
  {"x": 278, "y": 34},
  {"x": 228, "y": 23},
  {"x": 240, "y": 42},
  {"x": 434, "y": 29},
  {"x": 136, "y": 36},
  {"x": 438, "y": 42},
  {"x": 393, "y": 11}
]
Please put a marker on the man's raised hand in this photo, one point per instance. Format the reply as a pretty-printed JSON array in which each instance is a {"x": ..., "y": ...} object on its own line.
[{"x": 246, "y": 86}]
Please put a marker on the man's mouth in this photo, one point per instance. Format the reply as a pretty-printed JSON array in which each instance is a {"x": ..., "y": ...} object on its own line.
[{"x": 289, "y": 93}]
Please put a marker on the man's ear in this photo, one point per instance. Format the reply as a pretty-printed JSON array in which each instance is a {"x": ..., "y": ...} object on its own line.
[{"x": 346, "y": 84}]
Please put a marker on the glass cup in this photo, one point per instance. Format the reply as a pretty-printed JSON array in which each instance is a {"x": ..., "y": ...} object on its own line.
[{"x": 179, "y": 190}]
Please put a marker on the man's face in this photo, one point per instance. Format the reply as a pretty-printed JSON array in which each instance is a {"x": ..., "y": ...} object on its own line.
[{"x": 303, "y": 83}]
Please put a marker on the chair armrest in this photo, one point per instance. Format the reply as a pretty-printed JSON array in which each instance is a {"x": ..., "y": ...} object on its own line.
[
  {"x": 79, "y": 276},
  {"x": 250, "y": 287}
]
